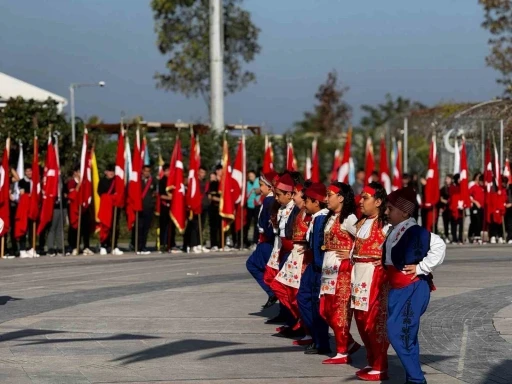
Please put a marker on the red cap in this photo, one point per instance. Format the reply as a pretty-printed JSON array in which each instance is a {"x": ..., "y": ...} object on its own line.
[
  {"x": 316, "y": 191},
  {"x": 269, "y": 178},
  {"x": 404, "y": 199},
  {"x": 285, "y": 183}
]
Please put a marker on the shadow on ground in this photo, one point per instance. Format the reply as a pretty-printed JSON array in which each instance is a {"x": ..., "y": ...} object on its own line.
[{"x": 173, "y": 349}]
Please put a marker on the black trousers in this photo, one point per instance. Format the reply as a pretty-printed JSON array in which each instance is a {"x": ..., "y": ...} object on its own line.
[
  {"x": 456, "y": 225},
  {"x": 215, "y": 222},
  {"x": 495, "y": 230},
  {"x": 27, "y": 236},
  {"x": 191, "y": 237},
  {"x": 14, "y": 242},
  {"x": 508, "y": 223},
  {"x": 252, "y": 218},
  {"x": 85, "y": 231},
  {"x": 447, "y": 216},
  {"x": 167, "y": 229},
  {"x": 144, "y": 224},
  {"x": 477, "y": 222}
]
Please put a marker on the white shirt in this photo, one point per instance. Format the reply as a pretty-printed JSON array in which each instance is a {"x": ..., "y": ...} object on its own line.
[
  {"x": 262, "y": 230},
  {"x": 283, "y": 216},
  {"x": 434, "y": 257},
  {"x": 322, "y": 212}
]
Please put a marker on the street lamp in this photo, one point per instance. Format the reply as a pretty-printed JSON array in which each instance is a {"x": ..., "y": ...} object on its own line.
[{"x": 72, "y": 88}]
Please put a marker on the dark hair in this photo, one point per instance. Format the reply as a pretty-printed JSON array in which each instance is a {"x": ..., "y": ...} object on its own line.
[
  {"x": 406, "y": 176},
  {"x": 146, "y": 166},
  {"x": 218, "y": 166},
  {"x": 251, "y": 171},
  {"x": 110, "y": 167},
  {"x": 297, "y": 177},
  {"x": 481, "y": 178},
  {"x": 456, "y": 179},
  {"x": 375, "y": 173},
  {"x": 504, "y": 179},
  {"x": 307, "y": 183},
  {"x": 27, "y": 166},
  {"x": 349, "y": 204},
  {"x": 380, "y": 193},
  {"x": 203, "y": 168},
  {"x": 165, "y": 167},
  {"x": 477, "y": 176}
]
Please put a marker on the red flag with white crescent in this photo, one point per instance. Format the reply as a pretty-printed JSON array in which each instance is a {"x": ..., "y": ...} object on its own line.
[
  {"x": 35, "y": 191},
  {"x": 194, "y": 198},
  {"x": 238, "y": 186},
  {"x": 178, "y": 210},
  {"x": 345, "y": 161},
  {"x": 464, "y": 176},
  {"x": 134, "y": 198},
  {"x": 51, "y": 183},
  {"x": 227, "y": 204},
  {"x": 370, "y": 160},
  {"x": 397, "y": 167},
  {"x": 119, "y": 178},
  {"x": 268, "y": 158},
  {"x": 291, "y": 162},
  {"x": 432, "y": 185},
  {"x": 336, "y": 164},
  {"x": 5, "y": 201}
]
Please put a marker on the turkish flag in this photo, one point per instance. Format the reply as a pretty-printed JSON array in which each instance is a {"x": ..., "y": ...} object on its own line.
[
  {"x": 194, "y": 197},
  {"x": 488, "y": 175},
  {"x": 119, "y": 178},
  {"x": 268, "y": 158},
  {"x": 497, "y": 175},
  {"x": 370, "y": 161},
  {"x": 315, "y": 162},
  {"x": 291, "y": 163},
  {"x": 134, "y": 198},
  {"x": 160, "y": 175},
  {"x": 51, "y": 187},
  {"x": 35, "y": 195},
  {"x": 178, "y": 210},
  {"x": 5, "y": 200},
  {"x": 397, "y": 167},
  {"x": 432, "y": 187},
  {"x": 21, "y": 219},
  {"x": 506, "y": 171},
  {"x": 227, "y": 204},
  {"x": 464, "y": 174},
  {"x": 385, "y": 178},
  {"x": 345, "y": 161},
  {"x": 238, "y": 185},
  {"x": 336, "y": 164}
]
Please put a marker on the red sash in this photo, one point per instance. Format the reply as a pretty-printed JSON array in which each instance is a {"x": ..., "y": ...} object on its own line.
[
  {"x": 146, "y": 188},
  {"x": 286, "y": 246},
  {"x": 397, "y": 279}
]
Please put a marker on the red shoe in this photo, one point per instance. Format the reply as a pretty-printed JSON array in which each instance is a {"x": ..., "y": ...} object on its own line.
[
  {"x": 339, "y": 360},
  {"x": 354, "y": 348},
  {"x": 302, "y": 342},
  {"x": 366, "y": 376},
  {"x": 282, "y": 328},
  {"x": 364, "y": 370}
]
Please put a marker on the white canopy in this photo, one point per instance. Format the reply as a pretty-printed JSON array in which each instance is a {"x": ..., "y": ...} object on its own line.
[{"x": 12, "y": 87}]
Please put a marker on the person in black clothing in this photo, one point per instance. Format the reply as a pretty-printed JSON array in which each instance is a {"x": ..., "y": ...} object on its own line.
[
  {"x": 213, "y": 210},
  {"x": 106, "y": 185},
  {"x": 167, "y": 227},
  {"x": 25, "y": 186},
  {"x": 444, "y": 209},
  {"x": 72, "y": 197},
  {"x": 146, "y": 215},
  {"x": 191, "y": 238}
]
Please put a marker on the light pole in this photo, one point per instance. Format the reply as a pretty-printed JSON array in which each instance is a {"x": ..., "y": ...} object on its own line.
[{"x": 72, "y": 88}]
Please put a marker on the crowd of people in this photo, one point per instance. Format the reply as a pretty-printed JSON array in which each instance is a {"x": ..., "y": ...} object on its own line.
[
  {"x": 80, "y": 224},
  {"x": 330, "y": 254}
]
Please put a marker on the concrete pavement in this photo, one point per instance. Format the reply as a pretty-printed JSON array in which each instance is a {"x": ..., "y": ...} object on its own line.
[{"x": 196, "y": 319}]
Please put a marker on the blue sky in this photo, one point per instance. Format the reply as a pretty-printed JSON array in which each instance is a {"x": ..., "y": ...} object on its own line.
[{"x": 429, "y": 51}]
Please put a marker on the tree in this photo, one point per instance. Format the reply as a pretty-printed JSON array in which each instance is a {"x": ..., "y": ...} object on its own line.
[
  {"x": 381, "y": 114},
  {"x": 182, "y": 27},
  {"x": 498, "y": 21},
  {"x": 332, "y": 114},
  {"x": 22, "y": 118}
]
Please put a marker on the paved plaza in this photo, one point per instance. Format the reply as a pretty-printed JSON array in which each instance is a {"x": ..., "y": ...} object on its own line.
[{"x": 196, "y": 319}]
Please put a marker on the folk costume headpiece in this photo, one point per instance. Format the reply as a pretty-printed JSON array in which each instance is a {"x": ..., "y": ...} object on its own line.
[
  {"x": 316, "y": 191},
  {"x": 285, "y": 183},
  {"x": 269, "y": 178},
  {"x": 404, "y": 199}
]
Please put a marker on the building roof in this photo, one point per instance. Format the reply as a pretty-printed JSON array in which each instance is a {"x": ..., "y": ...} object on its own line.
[{"x": 12, "y": 87}]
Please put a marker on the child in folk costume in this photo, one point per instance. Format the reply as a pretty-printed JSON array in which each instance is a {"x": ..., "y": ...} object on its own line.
[
  {"x": 287, "y": 282},
  {"x": 369, "y": 282},
  {"x": 409, "y": 255},
  {"x": 258, "y": 260},
  {"x": 282, "y": 242},
  {"x": 335, "y": 291},
  {"x": 309, "y": 290}
]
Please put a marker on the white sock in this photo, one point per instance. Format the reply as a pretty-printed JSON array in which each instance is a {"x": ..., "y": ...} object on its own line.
[
  {"x": 374, "y": 372},
  {"x": 307, "y": 337},
  {"x": 339, "y": 356}
]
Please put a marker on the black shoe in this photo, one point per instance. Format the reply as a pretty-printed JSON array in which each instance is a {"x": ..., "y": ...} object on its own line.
[
  {"x": 288, "y": 332},
  {"x": 312, "y": 350},
  {"x": 270, "y": 302},
  {"x": 279, "y": 319}
]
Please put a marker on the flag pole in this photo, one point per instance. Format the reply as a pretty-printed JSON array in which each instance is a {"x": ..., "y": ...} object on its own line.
[
  {"x": 2, "y": 247},
  {"x": 78, "y": 229},
  {"x": 61, "y": 209},
  {"x": 243, "y": 192},
  {"x": 114, "y": 228}
]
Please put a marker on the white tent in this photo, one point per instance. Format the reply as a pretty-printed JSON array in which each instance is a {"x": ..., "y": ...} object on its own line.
[{"x": 12, "y": 87}]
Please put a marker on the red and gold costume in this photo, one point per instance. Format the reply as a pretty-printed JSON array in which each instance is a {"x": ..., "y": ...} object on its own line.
[
  {"x": 370, "y": 291},
  {"x": 286, "y": 284},
  {"x": 335, "y": 284}
]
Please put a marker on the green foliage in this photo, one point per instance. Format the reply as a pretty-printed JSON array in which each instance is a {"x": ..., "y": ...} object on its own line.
[
  {"x": 382, "y": 113},
  {"x": 332, "y": 114},
  {"x": 22, "y": 118},
  {"x": 498, "y": 21},
  {"x": 182, "y": 28}
]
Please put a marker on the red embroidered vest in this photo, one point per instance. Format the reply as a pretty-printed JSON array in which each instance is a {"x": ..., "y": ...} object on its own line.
[
  {"x": 371, "y": 246},
  {"x": 300, "y": 226},
  {"x": 337, "y": 239}
]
